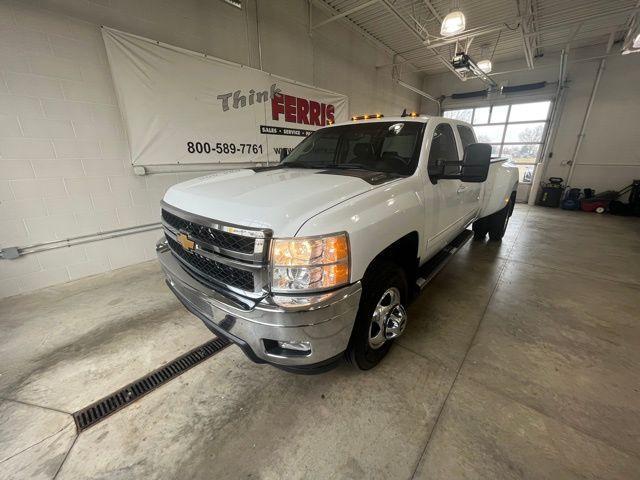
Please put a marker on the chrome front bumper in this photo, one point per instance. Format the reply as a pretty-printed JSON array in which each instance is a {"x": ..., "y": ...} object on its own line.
[{"x": 256, "y": 326}]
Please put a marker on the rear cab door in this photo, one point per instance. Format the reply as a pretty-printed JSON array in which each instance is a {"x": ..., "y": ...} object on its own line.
[{"x": 469, "y": 193}]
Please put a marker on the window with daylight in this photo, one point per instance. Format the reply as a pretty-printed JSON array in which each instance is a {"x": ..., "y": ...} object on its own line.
[{"x": 515, "y": 130}]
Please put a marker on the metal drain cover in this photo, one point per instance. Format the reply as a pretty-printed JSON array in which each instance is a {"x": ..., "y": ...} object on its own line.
[{"x": 98, "y": 411}]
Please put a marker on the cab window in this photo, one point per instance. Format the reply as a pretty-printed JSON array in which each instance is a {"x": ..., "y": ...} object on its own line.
[
  {"x": 443, "y": 150},
  {"x": 466, "y": 136}
]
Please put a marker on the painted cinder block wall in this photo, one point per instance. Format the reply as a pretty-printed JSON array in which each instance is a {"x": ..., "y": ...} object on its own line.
[{"x": 64, "y": 161}]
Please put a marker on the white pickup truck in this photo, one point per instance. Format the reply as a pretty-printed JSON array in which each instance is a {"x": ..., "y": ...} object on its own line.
[{"x": 314, "y": 259}]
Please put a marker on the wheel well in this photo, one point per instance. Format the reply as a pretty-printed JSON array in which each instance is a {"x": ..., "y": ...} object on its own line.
[{"x": 404, "y": 252}]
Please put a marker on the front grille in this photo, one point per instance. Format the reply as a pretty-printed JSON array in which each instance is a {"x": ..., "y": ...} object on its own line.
[
  {"x": 212, "y": 236},
  {"x": 212, "y": 270}
]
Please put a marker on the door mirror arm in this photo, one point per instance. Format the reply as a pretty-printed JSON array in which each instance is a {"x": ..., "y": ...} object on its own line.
[
  {"x": 444, "y": 164},
  {"x": 474, "y": 167}
]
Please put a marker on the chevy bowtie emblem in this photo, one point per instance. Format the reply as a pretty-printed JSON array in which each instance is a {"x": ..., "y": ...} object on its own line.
[{"x": 186, "y": 242}]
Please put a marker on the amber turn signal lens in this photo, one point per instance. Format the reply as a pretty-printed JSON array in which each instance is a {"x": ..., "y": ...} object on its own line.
[{"x": 336, "y": 274}]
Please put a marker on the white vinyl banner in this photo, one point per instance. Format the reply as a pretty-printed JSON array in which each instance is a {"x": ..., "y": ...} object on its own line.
[{"x": 183, "y": 107}]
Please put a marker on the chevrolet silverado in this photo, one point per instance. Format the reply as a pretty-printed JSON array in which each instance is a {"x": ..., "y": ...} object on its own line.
[{"x": 315, "y": 259}]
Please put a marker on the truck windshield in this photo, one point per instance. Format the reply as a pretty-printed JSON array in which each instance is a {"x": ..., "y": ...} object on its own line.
[{"x": 390, "y": 147}]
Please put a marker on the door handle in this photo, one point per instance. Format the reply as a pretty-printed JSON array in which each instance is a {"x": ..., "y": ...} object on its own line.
[{"x": 461, "y": 189}]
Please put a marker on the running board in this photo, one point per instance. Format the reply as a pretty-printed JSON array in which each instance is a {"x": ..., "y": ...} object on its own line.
[{"x": 429, "y": 270}]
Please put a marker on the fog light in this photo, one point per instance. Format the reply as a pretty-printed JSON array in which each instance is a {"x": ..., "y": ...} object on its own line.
[{"x": 297, "y": 346}]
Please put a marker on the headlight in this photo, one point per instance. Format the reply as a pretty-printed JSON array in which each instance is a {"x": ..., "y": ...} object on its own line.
[{"x": 311, "y": 264}]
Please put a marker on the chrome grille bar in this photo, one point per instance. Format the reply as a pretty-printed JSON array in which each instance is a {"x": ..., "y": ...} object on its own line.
[{"x": 227, "y": 266}]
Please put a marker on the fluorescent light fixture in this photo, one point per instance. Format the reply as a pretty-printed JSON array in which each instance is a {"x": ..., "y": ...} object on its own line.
[
  {"x": 485, "y": 59},
  {"x": 455, "y": 21},
  {"x": 631, "y": 42},
  {"x": 485, "y": 65},
  {"x": 453, "y": 24},
  {"x": 234, "y": 3}
]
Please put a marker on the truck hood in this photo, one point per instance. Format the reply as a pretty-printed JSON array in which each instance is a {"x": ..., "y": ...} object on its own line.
[{"x": 281, "y": 199}]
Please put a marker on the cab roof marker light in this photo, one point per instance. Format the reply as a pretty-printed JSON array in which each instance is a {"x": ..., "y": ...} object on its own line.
[{"x": 367, "y": 116}]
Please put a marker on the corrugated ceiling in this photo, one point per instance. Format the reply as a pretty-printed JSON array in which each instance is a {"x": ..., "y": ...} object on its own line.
[{"x": 547, "y": 25}]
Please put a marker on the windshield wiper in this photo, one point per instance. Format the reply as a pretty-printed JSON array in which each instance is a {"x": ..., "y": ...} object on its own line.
[
  {"x": 304, "y": 165},
  {"x": 349, "y": 166}
]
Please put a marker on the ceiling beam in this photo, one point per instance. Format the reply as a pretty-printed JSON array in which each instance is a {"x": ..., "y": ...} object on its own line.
[
  {"x": 524, "y": 11},
  {"x": 558, "y": 20},
  {"x": 478, "y": 31},
  {"x": 361, "y": 31},
  {"x": 572, "y": 36},
  {"x": 563, "y": 23},
  {"x": 433, "y": 10},
  {"x": 534, "y": 29},
  {"x": 468, "y": 45},
  {"x": 612, "y": 39},
  {"x": 392, "y": 9},
  {"x": 632, "y": 22},
  {"x": 474, "y": 32},
  {"x": 345, "y": 13},
  {"x": 602, "y": 33}
]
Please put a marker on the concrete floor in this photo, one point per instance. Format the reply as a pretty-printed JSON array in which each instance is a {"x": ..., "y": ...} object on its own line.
[{"x": 521, "y": 360}]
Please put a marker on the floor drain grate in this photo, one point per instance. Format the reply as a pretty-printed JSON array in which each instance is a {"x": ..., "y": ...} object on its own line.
[{"x": 98, "y": 411}]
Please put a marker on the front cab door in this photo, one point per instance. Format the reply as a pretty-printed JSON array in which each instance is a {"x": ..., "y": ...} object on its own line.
[{"x": 445, "y": 214}]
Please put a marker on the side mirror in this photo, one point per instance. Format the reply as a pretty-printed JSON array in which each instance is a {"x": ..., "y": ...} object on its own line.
[
  {"x": 284, "y": 152},
  {"x": 476, "y": 162}
]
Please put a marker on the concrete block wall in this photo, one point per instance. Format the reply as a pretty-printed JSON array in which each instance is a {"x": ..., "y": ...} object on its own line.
[{"x": 64, "y": 161}]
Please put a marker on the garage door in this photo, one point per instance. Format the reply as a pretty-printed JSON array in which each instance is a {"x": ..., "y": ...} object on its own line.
[{"x": 516, "y": 130}]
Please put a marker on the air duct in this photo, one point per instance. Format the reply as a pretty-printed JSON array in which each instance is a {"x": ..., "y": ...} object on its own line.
[
  {"x": 524, "y": 87},
  {"x": 476, "y": 94}
]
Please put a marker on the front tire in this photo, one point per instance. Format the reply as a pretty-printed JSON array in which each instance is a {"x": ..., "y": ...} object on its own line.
[{"x": 381, "y": 316}]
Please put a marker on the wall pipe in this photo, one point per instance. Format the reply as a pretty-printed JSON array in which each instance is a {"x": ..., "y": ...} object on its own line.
[
  {"x": 258, "y": 35},
  {"x": 553, "y": 65},
  {"x": 552, "y": 130},
  {"x": 585, "y": 121},
  {"x": 419, "y": 92},
  {"x": 11, "y": 253}
]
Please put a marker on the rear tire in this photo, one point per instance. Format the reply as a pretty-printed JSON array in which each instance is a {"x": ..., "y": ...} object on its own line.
[
  {"x": 499, "y": 221},
  {"x": 381, "y": 286},
  {"x": 480, "y": 228}
]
